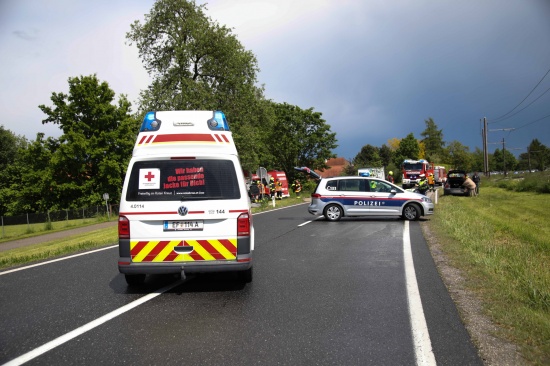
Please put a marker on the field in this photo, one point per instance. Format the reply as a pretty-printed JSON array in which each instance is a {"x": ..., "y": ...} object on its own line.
[{"x": 500, "y": 240}]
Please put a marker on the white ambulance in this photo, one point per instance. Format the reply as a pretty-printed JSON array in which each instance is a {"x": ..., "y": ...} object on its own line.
[{"x": 184, "y": 206}]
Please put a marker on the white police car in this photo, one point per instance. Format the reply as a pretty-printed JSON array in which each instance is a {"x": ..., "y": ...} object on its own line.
[{"x": 363, "y": 196}]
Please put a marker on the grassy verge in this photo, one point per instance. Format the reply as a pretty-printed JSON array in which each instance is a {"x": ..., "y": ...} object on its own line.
[
  {"x": 501, "y": 241},
  {"x": 68, "y": 245},
  {"x": 268, "y": 204},
  {"x": 14, "y": 232}
]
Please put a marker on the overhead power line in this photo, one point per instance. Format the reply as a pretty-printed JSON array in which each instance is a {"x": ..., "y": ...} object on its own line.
[
  {"x": 505, "y": 116},
  {"x": 530, "y": 123},
  {"x": 512, "y": 115}
]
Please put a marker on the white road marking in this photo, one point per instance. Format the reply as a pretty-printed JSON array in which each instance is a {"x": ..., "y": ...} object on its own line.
[
  {"x": 277, "y": 209},
  {"x": 57, "y": 260},
  {"x": 421, "y": 338},
  {"x": 310, "y": 221},
  {"x": 86, "y": 327}
]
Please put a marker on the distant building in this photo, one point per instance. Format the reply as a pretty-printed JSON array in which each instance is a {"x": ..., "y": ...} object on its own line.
[{"x": 335, "y": 168}]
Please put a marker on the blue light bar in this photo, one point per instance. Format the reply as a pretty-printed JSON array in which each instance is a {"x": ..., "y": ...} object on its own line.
[
  {"x": 150, "y": 122},
  {"x": 218, "y": 122}
]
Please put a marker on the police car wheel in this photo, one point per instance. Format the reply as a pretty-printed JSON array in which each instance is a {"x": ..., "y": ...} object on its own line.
[
  {"x": 333, "y": 213},
  {"x": 411, "y": 212},
  {"x": 134, "y": 280}
]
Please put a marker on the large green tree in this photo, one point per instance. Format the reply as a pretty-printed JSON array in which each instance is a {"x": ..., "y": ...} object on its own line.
[
  {"x": 536, "y": 157},
  {"x": 408, "y": 149},
  {"x": 386, "y": 154},
  {"x": 9, "y": 144},
  {"x": 477, "y": 160},
  {"x": 300, "y": 137},
  {"x": 369, "y": 156},
  {"x": 459, "y": 156},
  {"x": 27, "y": 183},
  {"x": 504, "y": 161},
  {"x": 96, "y": 144},
  {"x": 433, "y": 141},
  {"x": 11, "y": 147},
  {"x": 195, "y": 63}
]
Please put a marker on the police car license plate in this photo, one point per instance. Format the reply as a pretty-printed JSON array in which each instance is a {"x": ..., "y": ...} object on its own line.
[{"x": 183, "y": 225}]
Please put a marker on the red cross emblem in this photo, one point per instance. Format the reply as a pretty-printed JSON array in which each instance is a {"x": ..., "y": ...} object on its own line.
[{"x": 149, "y": 176}]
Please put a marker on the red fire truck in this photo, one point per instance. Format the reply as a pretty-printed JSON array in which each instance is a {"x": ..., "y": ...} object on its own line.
[
  {"x": 275, "y": 174},
  {"x": 440, "y": 175},
  {"x": 413, "y": 168}
]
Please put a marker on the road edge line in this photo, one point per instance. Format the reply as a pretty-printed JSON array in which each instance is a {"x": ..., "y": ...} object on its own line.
[{"x": 422, "y": 344}]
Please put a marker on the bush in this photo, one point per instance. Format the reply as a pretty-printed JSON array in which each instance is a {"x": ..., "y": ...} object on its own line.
[{"x": 528, "y": 182}]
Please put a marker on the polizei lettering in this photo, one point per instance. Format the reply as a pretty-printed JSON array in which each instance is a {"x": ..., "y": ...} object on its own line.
[{"x": 367, "y": 203}]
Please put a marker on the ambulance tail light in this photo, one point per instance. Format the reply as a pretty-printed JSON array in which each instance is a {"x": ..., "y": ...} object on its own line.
[
  {"x": 243, "y": 224},
  {"x": 123, "y": 227}
]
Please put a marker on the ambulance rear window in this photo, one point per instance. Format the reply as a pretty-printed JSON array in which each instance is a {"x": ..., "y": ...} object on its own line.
[{"x": 175, "y": 180}]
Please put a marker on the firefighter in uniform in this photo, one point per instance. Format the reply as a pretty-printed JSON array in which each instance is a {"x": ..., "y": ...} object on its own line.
[
  {"x": 390, "y": 177},
  {"x": 278, "y": 189},
  {"x": 261, "y": 186},
  {"x": 272, "y": 187},
  {"x": 254, "y": 191},
  {"x": 431, "y": 181},
  {"x": 297, "y": 188}
]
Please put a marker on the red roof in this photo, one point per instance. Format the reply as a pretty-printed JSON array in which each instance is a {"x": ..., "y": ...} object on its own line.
[{"x": 335, "y": 167}]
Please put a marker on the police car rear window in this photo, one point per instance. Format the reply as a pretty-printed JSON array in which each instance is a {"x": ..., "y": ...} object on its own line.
[
  {"x": 354, "y": 185},
  {"x": 170, "y": 180}
]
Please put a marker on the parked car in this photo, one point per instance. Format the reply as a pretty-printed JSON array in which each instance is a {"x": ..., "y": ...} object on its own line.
[
  {"x": 453, "y": 186},
  {"x": 337, "y": 197}
]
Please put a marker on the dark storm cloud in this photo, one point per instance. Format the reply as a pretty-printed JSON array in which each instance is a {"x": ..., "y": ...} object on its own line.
[
  {"x": 378, "y": 71},
  {"x": 375, "y": 69}
]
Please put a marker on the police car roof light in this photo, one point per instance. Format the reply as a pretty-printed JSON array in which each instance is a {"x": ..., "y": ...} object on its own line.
[{"x": 150, "y": 122}]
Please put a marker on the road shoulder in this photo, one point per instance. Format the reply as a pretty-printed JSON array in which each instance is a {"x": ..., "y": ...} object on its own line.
[
  {"x": 39, "y": 239},
  {"x": 492, "y": 349}
]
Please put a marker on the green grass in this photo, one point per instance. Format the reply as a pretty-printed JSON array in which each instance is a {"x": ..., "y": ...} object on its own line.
[
  {"x": 501, "y": 240},
  {"x": 538, "y": 182},
  {"x": 267, "y": 204},
  {"x": 55, "y": 248},
  {"x": 14, "y": 232}
]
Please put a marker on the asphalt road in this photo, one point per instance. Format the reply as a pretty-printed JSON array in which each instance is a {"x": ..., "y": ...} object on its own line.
[{"x": 324, "y": 293}]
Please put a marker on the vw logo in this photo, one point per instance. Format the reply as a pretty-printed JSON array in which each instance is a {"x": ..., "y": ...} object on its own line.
[{"x": 183, "y": 211}]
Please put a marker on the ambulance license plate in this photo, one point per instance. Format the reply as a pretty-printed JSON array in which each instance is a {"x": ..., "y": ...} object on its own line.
[{"x": 183, "y": 225}]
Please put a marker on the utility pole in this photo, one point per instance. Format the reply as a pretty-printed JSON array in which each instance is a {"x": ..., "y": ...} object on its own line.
[
  {"x": 499, "y": 129},
  {"x": 485, "y": 152},
  {"x": 503, "y": 158}
]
